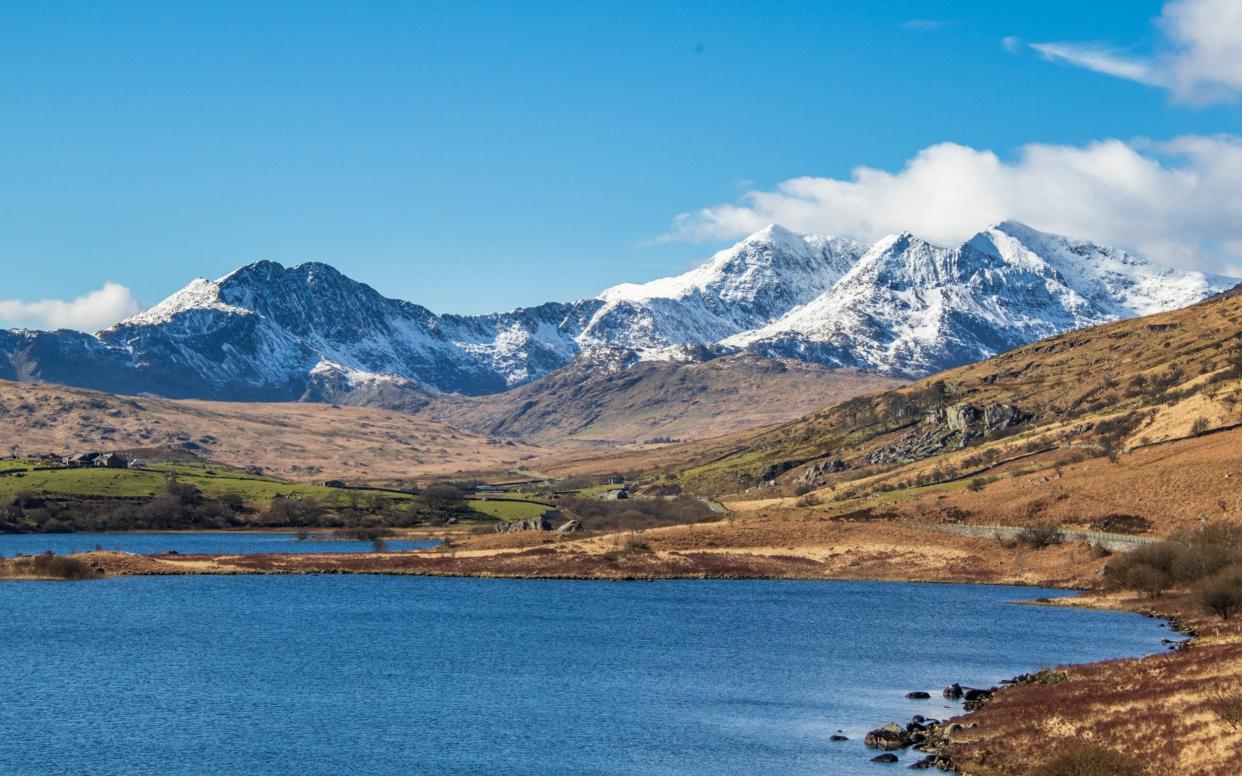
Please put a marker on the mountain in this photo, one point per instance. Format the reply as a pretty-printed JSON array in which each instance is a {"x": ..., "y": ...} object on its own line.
[
  {"x": 909, "y": 307},
  {"x": 1097, "y": 392},
  {"x": 736, "y": 290},
  {"x": 901, "y": 307},
  {"x": 609, "y": 396}
]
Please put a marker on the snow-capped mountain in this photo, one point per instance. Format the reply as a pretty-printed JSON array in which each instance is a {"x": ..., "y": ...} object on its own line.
[
  {"x": 901, "y": 306},
  {"x": 737, "y": 290},
  {"x": 911, "y": 308}
]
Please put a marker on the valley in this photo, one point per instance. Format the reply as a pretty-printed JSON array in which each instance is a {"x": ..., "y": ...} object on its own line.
[{"x": 1052, "y": 464}]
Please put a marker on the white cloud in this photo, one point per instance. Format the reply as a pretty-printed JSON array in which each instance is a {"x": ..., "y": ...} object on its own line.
[
  {"x": 1102, "y": 59},
  {"x": 90, "y": 312},
  {"x": 1011, "y": 43},
  {"x": 1200, "y": 60},
  {"x": 1174, "y": 202}
]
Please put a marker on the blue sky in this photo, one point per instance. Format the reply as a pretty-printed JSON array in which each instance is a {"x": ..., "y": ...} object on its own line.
[{"x": 481, "y": 156}]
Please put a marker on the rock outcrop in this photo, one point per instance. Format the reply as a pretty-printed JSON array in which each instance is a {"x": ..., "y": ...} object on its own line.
[{"x": 958, "y": 424}]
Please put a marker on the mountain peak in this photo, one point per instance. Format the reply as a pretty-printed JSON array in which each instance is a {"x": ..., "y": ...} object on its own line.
[
  {"x": 772, "y": 232},
  {"x": 198, "y": 294},
  {"x": 901, "y": 306}
]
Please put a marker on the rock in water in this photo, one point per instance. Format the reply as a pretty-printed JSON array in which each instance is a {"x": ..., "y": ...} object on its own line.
[{"x": 890, "y": 736}]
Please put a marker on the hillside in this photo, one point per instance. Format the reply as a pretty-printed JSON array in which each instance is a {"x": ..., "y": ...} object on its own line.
[
  {"x": 302, "y": 441},
  {"x": 1073, "y": 428},
  {"x": 605, "y": 399}
]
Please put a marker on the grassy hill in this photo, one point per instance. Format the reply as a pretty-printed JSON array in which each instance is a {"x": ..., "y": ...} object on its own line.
[
  {"x": 301, "y": 441},
  {"x": 34, "y": 496},
  {"x": 656, "y": 400},
  {"x": 1129, "y": 418}
]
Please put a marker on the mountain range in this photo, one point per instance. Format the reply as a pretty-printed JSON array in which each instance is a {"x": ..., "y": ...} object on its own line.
[{"x": 901, "y": 307}]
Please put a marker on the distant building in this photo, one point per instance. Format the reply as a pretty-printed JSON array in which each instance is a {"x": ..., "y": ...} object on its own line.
[
  {"x": 112, "y": 461},
  {"x": 80, "y": 459}
]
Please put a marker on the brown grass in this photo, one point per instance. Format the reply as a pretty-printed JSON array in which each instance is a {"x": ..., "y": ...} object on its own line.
[
  {"x": 47, "y": 566},
  {"x": 299, "y": 441}
]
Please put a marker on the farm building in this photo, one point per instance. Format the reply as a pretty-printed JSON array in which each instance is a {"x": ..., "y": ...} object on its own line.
[{"x": 80, "y": 459}]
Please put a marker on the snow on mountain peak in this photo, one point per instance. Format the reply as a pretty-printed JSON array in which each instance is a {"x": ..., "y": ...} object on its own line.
[
  {"x": 200, "y": 294},
  {"x": 901, "y": 305}
]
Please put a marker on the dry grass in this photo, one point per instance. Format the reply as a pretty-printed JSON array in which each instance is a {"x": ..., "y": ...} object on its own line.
[
  {"x": 294, "y": 440},
  {"x": 47, "y": 566},
  {"x": 1087, "y": 759},
  {"x": 685, "y": 401}
]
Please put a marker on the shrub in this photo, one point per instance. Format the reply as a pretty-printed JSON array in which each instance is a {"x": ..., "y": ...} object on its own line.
[
  {"x": 635, "y": 543},
  {"x": 1148, "y": 580},
  {"x": 633, "y": 514},
  {"x": 1198, "y": 560},
  {"x": 1221, "y": 594},
  {"x": 1226, "y": 703},
  {"x": 1199, "y": 427},
  {"x": 976, "y": 484},
  {"x": 442, "y": 499},
  {"x": 50, "y": 565},
  {"x": 1187, "y": 559},
  {"x": 809, "y": 500},
  {"x": 1087, "y": 759},
  {"x": 1040, "y": 535}
]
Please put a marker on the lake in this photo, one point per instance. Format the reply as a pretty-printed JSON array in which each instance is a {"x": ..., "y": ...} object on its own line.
[
  {"x": 409, "y": 675},
  {"x": 216, "y": 542}
]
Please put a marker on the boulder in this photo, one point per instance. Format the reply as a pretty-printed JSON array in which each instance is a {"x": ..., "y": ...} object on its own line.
[
  {"x": 918, "y": 695},
  {"x": 998, "y": 417},
  {"x": 973, "y": 699},
  {"x": 838, "y": 737},
  {"x": 884, "y": 758},
  {"x": 953, "y": 691},
  {"x": 814, "y": 471},
  {"x": 540, "y": 523},
  {"x": 890, "y": 736},
  {"x": 570, "y": 527},
  {"x": 960, "y": 417}
]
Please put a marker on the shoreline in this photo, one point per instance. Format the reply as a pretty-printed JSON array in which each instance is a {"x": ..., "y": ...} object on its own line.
[{"x": 1015, "y": 727}]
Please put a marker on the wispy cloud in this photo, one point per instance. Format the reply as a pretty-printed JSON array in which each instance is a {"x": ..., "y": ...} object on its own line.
[
  {"x": 90, "y": 312},
  {"x": 925, "y": 24},
  {"x": 1174, "y": 201},
  {"x": 1198, "y": 59},
  {"x": 1101, "y": 59}
]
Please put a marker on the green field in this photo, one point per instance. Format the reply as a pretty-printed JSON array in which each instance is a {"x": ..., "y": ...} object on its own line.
[
  {"x": 213, "y": 481},
  {"x": 144, "y": 483},
  {"x": 508, "y": 510},
  {"x": 598, "y": 491}
]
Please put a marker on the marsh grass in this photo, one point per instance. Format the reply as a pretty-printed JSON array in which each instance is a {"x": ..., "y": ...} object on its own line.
[{"x": 47, "y": 566}]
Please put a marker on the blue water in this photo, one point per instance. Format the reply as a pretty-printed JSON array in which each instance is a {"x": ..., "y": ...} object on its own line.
[
  {"x": 187, "y": 543},
  {"x": 404, "y": 675}
]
